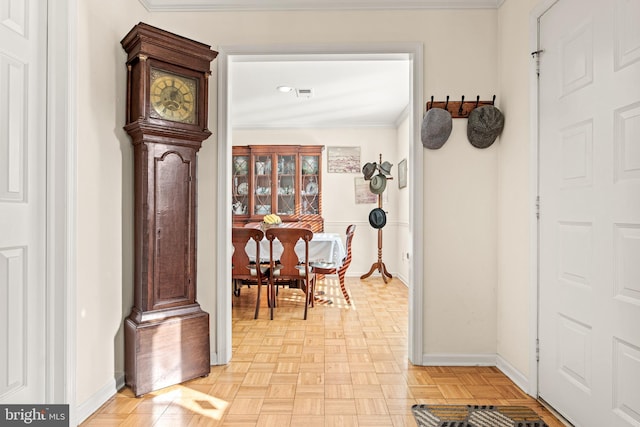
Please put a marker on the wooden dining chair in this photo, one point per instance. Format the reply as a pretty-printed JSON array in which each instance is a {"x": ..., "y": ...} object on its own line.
[
  {"x": 341, "y": 271},
  {"x": 289, "y": 268},
  {"x": 243, "y": 269}
]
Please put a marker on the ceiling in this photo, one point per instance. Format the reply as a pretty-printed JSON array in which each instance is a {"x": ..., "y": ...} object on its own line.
[{"x": 346, "y": 91}]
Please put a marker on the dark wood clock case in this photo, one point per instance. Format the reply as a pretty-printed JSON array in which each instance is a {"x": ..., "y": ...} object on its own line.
[{"x": 166, "y": 333}]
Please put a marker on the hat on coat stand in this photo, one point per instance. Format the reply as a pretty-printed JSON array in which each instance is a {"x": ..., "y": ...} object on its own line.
[
  {"x": 378, "y": 183},
  {"x": 377, "y": 218}
]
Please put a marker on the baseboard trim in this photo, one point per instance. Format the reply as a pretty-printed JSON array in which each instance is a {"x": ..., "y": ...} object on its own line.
[
  {"x": 448, "y": 359},
  {"x": 403, "y": 279},
  {"x": 514, "y": 375},
  {"x": 93, "y": 403}
]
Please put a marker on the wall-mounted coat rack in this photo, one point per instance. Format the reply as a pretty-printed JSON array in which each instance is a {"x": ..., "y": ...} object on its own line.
[{"x": 459, "y": 109}]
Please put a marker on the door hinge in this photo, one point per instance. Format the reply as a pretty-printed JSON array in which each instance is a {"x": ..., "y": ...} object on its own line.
[
  {"x": 536, "y": 55},
  {"x": 538, "y": 207},
  {"x": 537, "y": 349}
]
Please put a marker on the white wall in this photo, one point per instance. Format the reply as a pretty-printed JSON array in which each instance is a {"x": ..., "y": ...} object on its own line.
[
  {"x": 105, "y": 196},
  {"x": 460, "y": 182},
  {"x": 515, "y": 201},
  {"x": 460, "y": 194},
  {"x": 460, "y": 247}
]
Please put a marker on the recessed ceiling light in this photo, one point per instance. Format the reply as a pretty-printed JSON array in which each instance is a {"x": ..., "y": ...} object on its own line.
[{"x": 284, "y": 89}]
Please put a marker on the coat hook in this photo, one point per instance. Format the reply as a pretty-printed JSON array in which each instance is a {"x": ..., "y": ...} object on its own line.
[
  {"x": 477, "y": 100},
  {"x": 494, "y": 100},
  {"x": 460, "y": 109},
  {"x": 446, "y": 104}
]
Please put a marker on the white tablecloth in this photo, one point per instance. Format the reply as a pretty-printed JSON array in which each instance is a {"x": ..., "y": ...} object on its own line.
[{"x": 326, "y": 247}]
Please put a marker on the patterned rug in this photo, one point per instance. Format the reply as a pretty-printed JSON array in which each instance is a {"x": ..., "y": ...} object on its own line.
[{"x": 476, "y": 416}]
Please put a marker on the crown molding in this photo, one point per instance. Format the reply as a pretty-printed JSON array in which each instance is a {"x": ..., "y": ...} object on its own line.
[
  {"x": 309, "y": 5},
  {"x": 307, "y": 126}
]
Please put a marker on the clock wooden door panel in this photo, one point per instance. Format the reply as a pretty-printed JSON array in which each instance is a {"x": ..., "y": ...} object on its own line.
[
  {"x": 167, "y": 333},
  {"x": 174, "y": 238}
]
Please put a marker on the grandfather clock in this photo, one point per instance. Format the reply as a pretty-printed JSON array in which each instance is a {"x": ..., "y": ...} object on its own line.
[{"x": 167, "y": 333}]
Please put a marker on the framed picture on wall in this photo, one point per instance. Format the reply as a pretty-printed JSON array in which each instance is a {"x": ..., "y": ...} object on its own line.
[
  {"x": 402, "y": 173},
  {"x": 343, "y": 159},
  {"x": 363, "y": 193}
]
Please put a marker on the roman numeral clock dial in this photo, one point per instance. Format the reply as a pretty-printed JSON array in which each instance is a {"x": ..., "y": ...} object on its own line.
[{"x": 173, "y": 97}]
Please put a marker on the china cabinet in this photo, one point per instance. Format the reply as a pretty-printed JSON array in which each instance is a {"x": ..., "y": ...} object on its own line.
[{"x": 282, "y": 179}]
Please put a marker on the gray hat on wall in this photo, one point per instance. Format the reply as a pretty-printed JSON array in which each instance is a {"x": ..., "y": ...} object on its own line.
[
  {"x": 436, "y": 128},
  {"x": 484, "y": 125}
]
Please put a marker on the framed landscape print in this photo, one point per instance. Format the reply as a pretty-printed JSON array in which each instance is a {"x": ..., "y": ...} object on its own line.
[
  {"x": 343, "y": 159},
  {"x": 402, "y": 173}
]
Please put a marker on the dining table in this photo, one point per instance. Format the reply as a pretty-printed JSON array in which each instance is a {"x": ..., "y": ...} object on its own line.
[{"x": 323, "y": 248}]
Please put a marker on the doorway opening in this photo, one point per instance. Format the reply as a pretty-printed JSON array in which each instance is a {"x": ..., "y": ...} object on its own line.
[{"x": 412, "y": 52}]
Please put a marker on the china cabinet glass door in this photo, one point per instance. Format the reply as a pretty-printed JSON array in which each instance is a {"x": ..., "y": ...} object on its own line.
[
  {"x": 309, "y": 199},
  {"x": 286, "y": 188},
  {"x": 262, "y": 185},
  {"x": 240, "y": 191}
]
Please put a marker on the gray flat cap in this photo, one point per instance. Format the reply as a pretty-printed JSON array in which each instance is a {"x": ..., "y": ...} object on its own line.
[
  {"x": 484, "y": 125},
  {"x": 436, "y": 128}
]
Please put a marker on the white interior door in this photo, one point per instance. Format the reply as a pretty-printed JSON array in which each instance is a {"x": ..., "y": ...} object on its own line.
[
  {"x": 23, "y": 153},
  {"x": 589, "y": 319}
]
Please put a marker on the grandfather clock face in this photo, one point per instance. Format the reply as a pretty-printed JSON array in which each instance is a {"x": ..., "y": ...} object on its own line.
[{"x": 173, "y": 97}]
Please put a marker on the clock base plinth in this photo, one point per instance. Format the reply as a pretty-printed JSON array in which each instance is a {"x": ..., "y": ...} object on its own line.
[{"x": 166, "y": 351}]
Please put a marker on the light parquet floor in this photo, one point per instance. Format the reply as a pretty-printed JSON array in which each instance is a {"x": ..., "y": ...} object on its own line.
[{"x": 343, "y": 366}]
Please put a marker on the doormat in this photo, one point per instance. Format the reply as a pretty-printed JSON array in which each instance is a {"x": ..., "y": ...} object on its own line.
[{"x": 476, "y": 416}]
